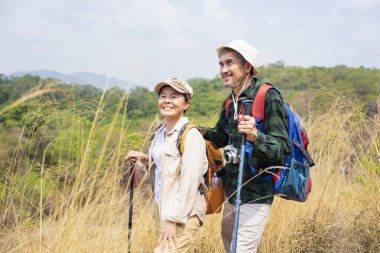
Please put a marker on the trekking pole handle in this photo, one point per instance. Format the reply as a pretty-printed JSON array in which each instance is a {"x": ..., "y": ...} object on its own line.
[{"x": 243, "y": 139}]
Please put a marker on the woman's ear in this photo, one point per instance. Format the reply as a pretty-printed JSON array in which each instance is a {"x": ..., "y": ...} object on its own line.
[{"x": 187, "y": 105}]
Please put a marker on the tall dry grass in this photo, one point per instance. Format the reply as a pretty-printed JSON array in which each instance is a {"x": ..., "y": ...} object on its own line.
[{"x": 342, "y": 213}]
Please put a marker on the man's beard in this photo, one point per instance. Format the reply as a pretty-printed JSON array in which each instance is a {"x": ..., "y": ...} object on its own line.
[{"x": 232, "y": 85}]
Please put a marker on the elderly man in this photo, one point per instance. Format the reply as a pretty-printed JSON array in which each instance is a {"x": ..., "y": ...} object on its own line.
[{"x": 238, "y": 69}]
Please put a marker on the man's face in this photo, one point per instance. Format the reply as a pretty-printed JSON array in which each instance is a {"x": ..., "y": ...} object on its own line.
[{"x": 232, "y": 71}]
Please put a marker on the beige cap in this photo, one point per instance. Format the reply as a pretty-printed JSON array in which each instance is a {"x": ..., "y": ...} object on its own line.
[
  {"x": 249, "y": 53},
  {"x": 178, "y": 85}
]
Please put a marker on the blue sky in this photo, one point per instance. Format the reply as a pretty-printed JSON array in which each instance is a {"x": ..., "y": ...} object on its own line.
[{"x": 145, "y": 41}]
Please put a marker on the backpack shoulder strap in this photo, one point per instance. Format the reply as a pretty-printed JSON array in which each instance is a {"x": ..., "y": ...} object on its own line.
[
  {"x": 182, "y": 136},
  {"x": 258, "y": 107},
  {"x": 224, "y": 116},
  {"x": 227, "y": 105}
]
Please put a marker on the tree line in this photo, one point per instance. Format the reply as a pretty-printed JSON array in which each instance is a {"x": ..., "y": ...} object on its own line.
[{"x": 360, "y": 83}]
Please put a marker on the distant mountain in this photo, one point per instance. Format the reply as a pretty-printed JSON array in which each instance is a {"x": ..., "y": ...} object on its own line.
[{"x": 96, "y": 80}]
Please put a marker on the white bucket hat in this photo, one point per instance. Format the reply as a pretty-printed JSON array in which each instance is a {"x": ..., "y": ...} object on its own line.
[
  {"x": 178, "y": 85},
  {"x": 249, "y": 52}
]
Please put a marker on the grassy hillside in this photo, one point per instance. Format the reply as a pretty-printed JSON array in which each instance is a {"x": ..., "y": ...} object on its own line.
[
  {"x": 63, "y": 184},
  {"x": 88, "y": 211}
]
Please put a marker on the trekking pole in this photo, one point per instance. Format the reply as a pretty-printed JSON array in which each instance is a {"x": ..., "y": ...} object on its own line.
[
  {"x": 131, "y": 187},
  {"x": 238, "y": 197}
]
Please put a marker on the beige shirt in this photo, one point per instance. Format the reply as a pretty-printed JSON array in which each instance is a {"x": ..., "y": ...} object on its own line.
[{"x": 181, "y": 175}]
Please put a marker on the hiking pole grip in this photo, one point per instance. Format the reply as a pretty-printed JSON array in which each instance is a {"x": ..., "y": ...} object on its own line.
[
  {"x": 131, "y": 188},
  {"x": 238, "y": 197}
]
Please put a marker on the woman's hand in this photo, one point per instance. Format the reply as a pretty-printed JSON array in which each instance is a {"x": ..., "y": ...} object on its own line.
[
  {"x": 167, "y": 239},
  {"x": 134, "y": 156}
]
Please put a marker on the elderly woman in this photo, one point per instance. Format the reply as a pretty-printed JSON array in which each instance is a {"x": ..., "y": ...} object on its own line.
[{"x": 176, "y": 178}]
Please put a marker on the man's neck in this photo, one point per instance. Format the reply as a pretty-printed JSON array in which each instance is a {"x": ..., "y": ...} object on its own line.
[{"x": 236, "y": 91}]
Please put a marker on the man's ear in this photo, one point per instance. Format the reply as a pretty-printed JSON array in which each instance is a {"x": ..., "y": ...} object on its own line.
[{"x": 248, "y": 68}]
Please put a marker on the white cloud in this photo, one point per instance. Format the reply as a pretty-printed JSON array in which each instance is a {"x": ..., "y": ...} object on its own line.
[
  {"x": 362, "y": 4},
  {"x": 273, "y": 22},
  {"x": 149, "y": 40}
]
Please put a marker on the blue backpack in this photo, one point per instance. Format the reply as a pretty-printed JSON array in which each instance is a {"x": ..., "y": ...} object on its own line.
[{"x": 291, "y": 181}]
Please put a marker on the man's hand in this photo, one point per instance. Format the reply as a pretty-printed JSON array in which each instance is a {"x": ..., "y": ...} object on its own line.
[
  {"x": 167, "y": 239},
  {"x": 247, "y": 126}
]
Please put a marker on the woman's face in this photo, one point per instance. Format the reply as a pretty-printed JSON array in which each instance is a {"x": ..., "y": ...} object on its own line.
[{"x": 171, "y": 103}]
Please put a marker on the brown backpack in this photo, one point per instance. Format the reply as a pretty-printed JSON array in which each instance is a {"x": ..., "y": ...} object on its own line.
[{"x": 214, "y": 196}]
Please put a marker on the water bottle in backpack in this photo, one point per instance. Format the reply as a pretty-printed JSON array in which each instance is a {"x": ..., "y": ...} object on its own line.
[{"x": 216, "y": 181}]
